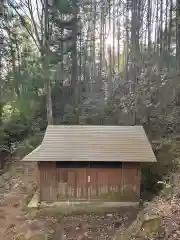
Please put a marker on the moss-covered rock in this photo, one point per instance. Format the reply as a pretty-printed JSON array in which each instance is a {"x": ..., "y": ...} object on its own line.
[
  {"x": 146, "y": 223},
  {"x": 149, "y": 225}
]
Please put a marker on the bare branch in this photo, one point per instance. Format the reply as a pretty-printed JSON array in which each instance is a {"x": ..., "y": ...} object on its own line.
[{"x": 30, "y": 32}]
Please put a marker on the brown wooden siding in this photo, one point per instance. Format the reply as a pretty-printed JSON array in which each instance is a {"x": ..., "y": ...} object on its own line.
[{"x": 108, "y": 184}]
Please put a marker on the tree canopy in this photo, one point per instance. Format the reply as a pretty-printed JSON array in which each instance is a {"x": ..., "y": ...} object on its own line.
[{"x": 88, "y": 62}]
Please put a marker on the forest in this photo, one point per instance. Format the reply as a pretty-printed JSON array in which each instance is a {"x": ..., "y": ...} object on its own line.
[{"x": 107, "y": 62}]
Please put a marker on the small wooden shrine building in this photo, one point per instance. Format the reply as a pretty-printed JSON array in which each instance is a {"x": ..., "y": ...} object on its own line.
[{"x": 88, "y": 163}]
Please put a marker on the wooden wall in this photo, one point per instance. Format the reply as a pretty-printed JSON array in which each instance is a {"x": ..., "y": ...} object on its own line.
[{"x": 107, "y": 184}]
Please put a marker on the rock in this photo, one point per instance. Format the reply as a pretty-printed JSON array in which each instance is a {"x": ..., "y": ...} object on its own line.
[
  {"x": 150, "y": 224},
  {"x": 144, "y": 226}
]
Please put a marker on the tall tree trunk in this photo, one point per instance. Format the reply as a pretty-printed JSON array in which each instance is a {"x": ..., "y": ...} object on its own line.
[
  {"x": 150, "y": 54},
  {"x": 161, "y": 33},
  {"x": 170, "y": 29},
  {"x": 2, "y": 7},
  {"x": 45, "y": 55},
  {"x": 156, "y": 46},
  {"x": 1, "y": 89},
  {"x": 126, "y": 44},
  {"x": 178, "y": 35},
  {"x": 74, "y": 79},
  {"x": 135, "y": 53},
  {"x": 100, "y": 80},
  {"x": 166, "y": 33}
]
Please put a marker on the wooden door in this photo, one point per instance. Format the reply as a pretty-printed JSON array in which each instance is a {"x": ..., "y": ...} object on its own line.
[
  {"x": 104, "y": 181},
  {"x": 88, "y": 181},
  {"x": 71, "y": 183}
]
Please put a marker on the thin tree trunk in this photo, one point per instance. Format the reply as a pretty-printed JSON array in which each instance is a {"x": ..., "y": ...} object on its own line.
[
  {"x": 165, "y": 32},
  {"x": 149, "y": 52},
  {"x": 161, "y": 33},
  {"x": 113, "y": 26},
  {"x": 170, "y": 27},
  {"x": 100, "y": 83}
]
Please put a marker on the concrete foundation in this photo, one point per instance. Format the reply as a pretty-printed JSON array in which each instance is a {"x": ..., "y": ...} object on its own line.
[{"x": 79, "y": 206}]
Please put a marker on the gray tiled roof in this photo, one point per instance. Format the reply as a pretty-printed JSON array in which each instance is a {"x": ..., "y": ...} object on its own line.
[{"x": 93, "y": 143}]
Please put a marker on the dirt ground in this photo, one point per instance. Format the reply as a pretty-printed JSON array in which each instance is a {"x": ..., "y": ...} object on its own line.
[
  {"x": 15, "y": 186},
  {"x": 17, "y": 224}
]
